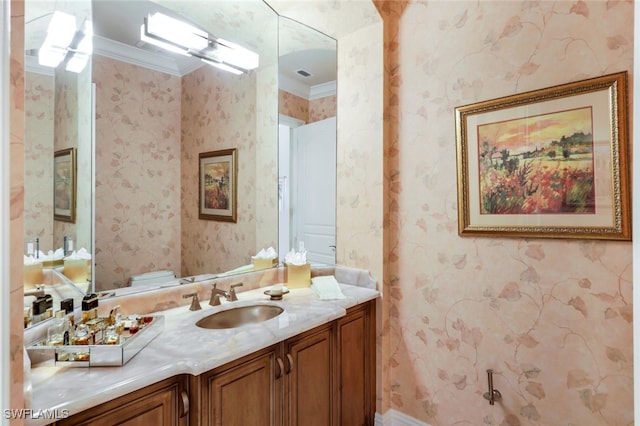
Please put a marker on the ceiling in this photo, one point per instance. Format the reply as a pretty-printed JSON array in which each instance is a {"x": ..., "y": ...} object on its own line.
[{"x": 117, "y": 34}]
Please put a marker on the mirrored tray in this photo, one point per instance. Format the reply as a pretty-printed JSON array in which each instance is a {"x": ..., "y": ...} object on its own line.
[{"x": 101, "y": 355}]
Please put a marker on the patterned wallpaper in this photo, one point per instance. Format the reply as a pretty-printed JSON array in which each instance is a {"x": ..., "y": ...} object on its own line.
[
  {"x": 210, "y": 98},
  {"x": 137, "y": 171},
  {"x": 293, "y": 106},
  {"x": 147, "y": 185},
  {"x": 322, "y": 108},
  {"x": 308, "y": 111},
  {"x": 552, "y": 317},
  {"x": 38, "y": 203}
]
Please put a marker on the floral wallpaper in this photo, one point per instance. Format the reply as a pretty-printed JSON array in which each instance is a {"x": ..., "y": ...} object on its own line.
[
  {"x": 322, "y": 108},
  {"x": 293, "y": 106},
  {"x": 38, "y": 190},
  {"x": 210, "y": 98},
  {"x": 308, "y": 111},
  {"x": 137, "y": 171},
  {"x": 553, "y": 318}
]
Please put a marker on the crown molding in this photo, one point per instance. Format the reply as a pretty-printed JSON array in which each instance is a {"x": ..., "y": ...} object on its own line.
[
  {"x": 31, "y": 65},
  {"x": 142, "y": 58},
  {"x": 323, "y": 90},
  {"x": 303, "y": 91}
]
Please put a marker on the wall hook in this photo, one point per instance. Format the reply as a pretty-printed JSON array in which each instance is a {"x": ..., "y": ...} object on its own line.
[{"x": 494, "y": 394}]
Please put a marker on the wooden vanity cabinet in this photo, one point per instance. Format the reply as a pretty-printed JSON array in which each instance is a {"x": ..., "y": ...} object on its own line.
[
  {"x": 243, "y": 392},
  {"x": 356, "y": 366},
  {"x": 310, "y": 381},
  {"x": 162, "y": 404},
  {"x": 323, "y": 377}
]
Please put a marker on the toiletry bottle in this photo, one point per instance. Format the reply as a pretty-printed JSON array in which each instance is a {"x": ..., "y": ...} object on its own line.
[
  {"x": 55, "y": 331},
  {"x": 89, "y": 307},
  {"x": 37, "y": 310},
  {"x": 48, "y": 306},
  {"x": 67, "y": 306},
  {"x": 82, "y": 335}
]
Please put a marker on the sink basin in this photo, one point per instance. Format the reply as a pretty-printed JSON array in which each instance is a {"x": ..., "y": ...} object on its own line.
[{"x": 242, "y": 315}]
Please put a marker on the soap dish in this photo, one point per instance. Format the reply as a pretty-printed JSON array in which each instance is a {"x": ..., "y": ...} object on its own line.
[{"x": 276, "y": 296}]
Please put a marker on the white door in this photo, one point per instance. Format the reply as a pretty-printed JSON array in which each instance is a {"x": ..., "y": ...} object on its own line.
[{"x": 314, "y": 215}]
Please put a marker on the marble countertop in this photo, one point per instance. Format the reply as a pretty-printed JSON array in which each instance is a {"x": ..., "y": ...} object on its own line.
[{"x": 184, "y": 348}]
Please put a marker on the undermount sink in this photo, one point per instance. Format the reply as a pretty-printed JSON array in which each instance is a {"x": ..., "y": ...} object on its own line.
[{"x": 242, "y": 315}]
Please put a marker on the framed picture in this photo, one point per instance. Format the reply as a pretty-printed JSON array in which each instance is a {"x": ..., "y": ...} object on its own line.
[
  {"x": 64, "y": 185},
  {"x": 548, "y": 163},
  {"x": 218, "y": 184}
]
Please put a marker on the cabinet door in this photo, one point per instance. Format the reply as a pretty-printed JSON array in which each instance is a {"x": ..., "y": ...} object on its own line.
[
  {"x": 309, "y": 381},
  {"x": 162, "y": 404},
  {"x": 246, "y": 393},
  {"x": 356, "y": 366}
]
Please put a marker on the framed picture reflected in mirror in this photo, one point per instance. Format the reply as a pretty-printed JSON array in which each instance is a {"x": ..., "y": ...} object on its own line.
[
  {"x": 218, "y": 185},
  {"x": 64, "y": 185}
]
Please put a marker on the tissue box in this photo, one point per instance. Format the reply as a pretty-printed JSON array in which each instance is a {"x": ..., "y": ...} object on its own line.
[
  {"x": 263, "y": 263},
  {"x": 77, "y": 270},
  {"x": 33, "y": 275},
  {"x": 52, "y": 263},
  {"x": 299, "y": 276}
]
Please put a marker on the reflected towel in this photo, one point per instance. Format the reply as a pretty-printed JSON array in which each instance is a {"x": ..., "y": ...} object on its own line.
[{"x": 326, "y": 288}]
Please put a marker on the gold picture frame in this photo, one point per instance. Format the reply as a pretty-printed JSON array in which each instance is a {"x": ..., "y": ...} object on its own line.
[
  {"x": 64, "y": 185},
  {"x": 550, "y": 163},
  {"x": 218, "y": 185}
]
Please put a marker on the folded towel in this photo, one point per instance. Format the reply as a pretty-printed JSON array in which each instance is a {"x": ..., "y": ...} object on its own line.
[{"x": 326, "y": 288}]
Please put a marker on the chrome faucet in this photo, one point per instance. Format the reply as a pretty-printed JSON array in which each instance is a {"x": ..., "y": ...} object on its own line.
[{"x": 229, "y": 295}]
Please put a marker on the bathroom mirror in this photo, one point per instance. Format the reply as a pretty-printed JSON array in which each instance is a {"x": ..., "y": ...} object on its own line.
[
  {"x": 58, "y": 153},
  {"x": 146, "y": 172}
]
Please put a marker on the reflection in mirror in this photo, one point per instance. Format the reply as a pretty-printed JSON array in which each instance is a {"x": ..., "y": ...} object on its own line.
[
  {"x": 57, "y": 120},
  {"x": 307, "y": 142},
  {"x": 155, "y": 113}
]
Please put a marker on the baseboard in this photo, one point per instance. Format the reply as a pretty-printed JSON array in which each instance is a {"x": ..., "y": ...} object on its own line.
[{"x": 396, "y": 418}]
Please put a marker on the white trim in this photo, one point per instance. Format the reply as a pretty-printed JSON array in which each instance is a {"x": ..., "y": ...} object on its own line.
[
  {"x": 142, "y": 58},
  {"x": 5, "y": 225},
  {"x": 31, "y": 65},
  {"x": 323, "y": 90},
  {"x": 303, "y": 91},
  {"x": 289, "y": 121},
  {"x": 396, "y": 418},
  {"x": 293, "y": 86}
]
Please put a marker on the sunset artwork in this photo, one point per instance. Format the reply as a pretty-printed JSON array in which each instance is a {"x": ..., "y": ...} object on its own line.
[
  {"x": 217, "y": 185},
  {"x": 540, "y": 164}
]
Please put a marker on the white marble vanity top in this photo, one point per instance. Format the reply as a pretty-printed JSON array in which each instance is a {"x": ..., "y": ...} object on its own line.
[{"x": 184, "y": 348}]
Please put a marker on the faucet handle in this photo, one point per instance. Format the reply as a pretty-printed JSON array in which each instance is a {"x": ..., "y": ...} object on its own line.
[
  {"x": 195, "y": 303},
  {"x": 214, "y": 300},
  {"x": 232, "y": 292}
]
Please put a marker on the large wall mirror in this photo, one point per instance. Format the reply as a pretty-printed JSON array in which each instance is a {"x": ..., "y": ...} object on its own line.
[{"x": 155, "y": 112}]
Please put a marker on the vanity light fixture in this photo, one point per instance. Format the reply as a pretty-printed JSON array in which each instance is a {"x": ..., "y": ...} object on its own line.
[
  {"x": 63, "y": 44},
  {"x": 177, "y": 36}
]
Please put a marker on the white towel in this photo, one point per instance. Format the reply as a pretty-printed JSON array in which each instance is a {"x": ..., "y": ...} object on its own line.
[{"x": 326, "y": 288}]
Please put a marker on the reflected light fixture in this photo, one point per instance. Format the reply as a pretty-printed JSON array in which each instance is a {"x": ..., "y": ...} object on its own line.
[
  {"x": 64, "y": 45},
  {"x": 177, "y": 36}
]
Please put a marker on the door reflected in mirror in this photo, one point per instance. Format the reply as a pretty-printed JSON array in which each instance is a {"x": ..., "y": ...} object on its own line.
[{"x": 307, "y": 142}]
